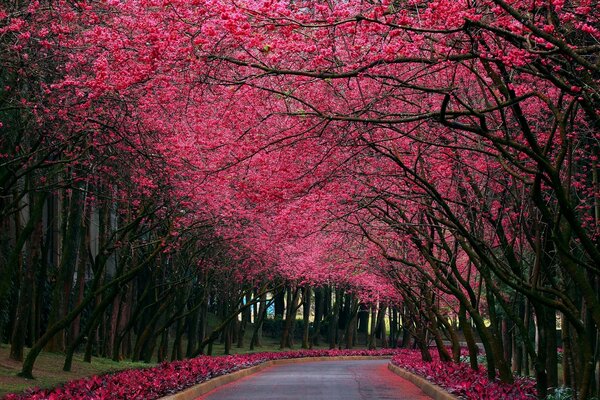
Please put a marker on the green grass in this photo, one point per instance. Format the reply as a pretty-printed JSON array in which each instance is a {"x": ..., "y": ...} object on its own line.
[{"x": 48, "y": 370}]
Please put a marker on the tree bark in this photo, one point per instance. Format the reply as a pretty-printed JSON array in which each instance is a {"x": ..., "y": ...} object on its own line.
[
  {"x": 262, "y": 313},
  {"x": 72, "y": 216},
  {"x": 319, "y": 307},
  {"x": 287, "y": 340},
  {"x": 372, "y": 345},
  {"x": 24, "y": 301},
  {"x": 333, "y": 321},
  {"x": 306, "y": 303}
]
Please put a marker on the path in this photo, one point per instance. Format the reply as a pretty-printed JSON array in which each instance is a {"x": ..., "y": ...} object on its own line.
[{"x": 321, "y": 380}]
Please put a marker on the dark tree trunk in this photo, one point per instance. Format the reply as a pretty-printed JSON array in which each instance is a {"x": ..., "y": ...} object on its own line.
[
  {"x": 113, "y": 325},
  {"x": 24, "y": 301},
  {"x": 177, "y": 351},
  {"x": 333, "y": 321},
  {"x": 52, "y": 330},
  {"x": 290, "y": 319},
  {"x": 372, "y": 344},
  {"x": 227, "y": 337},
  {"x": 551, "y": 346},
  {"x": 344, "y": 311},
  {"x": 306, "y": 297},
  {"x": 143, "y": 340},
  {"x": 393, "y": 315},
  {"x": 381, "y": 326},
  {"x": 262, "y": 313},
  {"x": 280, "y": 303},
  {"x": 434, "y": 326},
  {"x": 327, "y": 300},
  {"x": 363, "y": 319},
  {"x": 351, "y": 325},
  {"x": 91, "y": 325},
  {"x": 163, "y": 348},
  {"x": 319, "y": 307},
  {"x": 193, "y": 327},
  {"x": 246, "y": 314},
  {"x": 72, "y": 211},
  {"x": 203, "y": 331},
  {"x": 81, "y": 269}
]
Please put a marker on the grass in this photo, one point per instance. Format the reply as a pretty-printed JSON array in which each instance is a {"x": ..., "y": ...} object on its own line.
[{"x": 48, "y": 370}]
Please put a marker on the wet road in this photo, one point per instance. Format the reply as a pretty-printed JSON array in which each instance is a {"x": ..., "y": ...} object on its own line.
[{"x": 321, "y": 380}]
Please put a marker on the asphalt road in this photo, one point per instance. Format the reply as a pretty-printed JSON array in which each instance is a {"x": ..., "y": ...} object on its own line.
[{"x": 321, "y": 380}]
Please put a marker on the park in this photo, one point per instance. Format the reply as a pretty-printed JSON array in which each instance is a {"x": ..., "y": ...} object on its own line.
[{"x": 358, "y": 194}]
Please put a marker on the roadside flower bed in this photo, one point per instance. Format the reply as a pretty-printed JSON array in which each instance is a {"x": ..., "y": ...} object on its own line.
[
  {"x": 171, "y": 377},
  {"x": 462, "y": 381}
]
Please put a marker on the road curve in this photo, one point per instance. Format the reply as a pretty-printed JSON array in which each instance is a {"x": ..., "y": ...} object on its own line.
[{"x": 321, "y": 380}]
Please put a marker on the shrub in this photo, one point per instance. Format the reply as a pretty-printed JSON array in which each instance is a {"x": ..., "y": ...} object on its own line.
[{"x": 461, "y": 380}]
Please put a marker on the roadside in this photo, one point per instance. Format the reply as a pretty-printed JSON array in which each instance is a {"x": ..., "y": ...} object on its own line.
[{"x": 48, "y": 370}]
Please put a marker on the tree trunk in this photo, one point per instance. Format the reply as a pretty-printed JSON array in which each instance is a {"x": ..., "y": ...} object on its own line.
[
  {"x": 72, "y": 216},
  {"x": 465, "y": 326},
  {"x": 163, "y": 348},
  {"x": 245, "y": 315},
  {"x": 333, "y": 321},
  {"x": 91, "y": 325},
  {"x": 290, "y": 319},
  {"x": 372, "y": 345},
  {"x": 319, "y": 306},
  {"x": 381, "y": 326},
  {"x": 27, "y": 368},
  {"x": 306, "y": 296},
  {"x": 193, "y": 328},
  {"x": 81, "y": 269},
  {"x": 24, "y": 301},
  {"x": 351, "y": 325},
  {"x": 280, "y": 303},
  {"x": 393, "y": 315},
  {"x": 177, "y": 351},
  {"x": 143, "y": 340},
  {"x": 262, "y": 313}
]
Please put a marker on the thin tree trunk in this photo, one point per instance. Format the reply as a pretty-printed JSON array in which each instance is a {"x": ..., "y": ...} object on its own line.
[
  {"x": 290, "y": 319},
  {"x": 24, "y": 301},
  {"x": 262, "y": 313},
  {"x": 193, "y": 328},
  {"x": 306, "y": 317},
  {"x": 372, "y": 340},
  {"x": 333, "y": 321},
  {"x": 381, "y": 326},
  {"x": 70, "y": 247},
  {"x": 177, "y": 351},
  {"x": 351, "y": 325},
  {"x": 319, "y": 306}
]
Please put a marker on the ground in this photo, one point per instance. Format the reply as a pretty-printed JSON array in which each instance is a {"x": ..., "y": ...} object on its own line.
[{"x": 48, "y": 370}]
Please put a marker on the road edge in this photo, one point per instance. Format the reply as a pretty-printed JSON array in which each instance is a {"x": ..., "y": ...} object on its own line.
[
  {"x": 198, "y": 390},
  {"x": 432, "y": 390}
]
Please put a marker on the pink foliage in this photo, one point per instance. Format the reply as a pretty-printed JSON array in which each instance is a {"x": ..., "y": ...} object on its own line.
[{"x": 461, "y": 380}]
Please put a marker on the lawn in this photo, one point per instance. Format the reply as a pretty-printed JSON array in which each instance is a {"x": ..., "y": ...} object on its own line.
[{"x": 48, "y": 370}]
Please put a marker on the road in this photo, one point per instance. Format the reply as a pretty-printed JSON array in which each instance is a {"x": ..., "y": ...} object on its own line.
[{"x": 321, "y": 380}]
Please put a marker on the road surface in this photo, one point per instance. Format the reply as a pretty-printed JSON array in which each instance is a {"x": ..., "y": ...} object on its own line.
[{"x": 321, "y": 380}]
